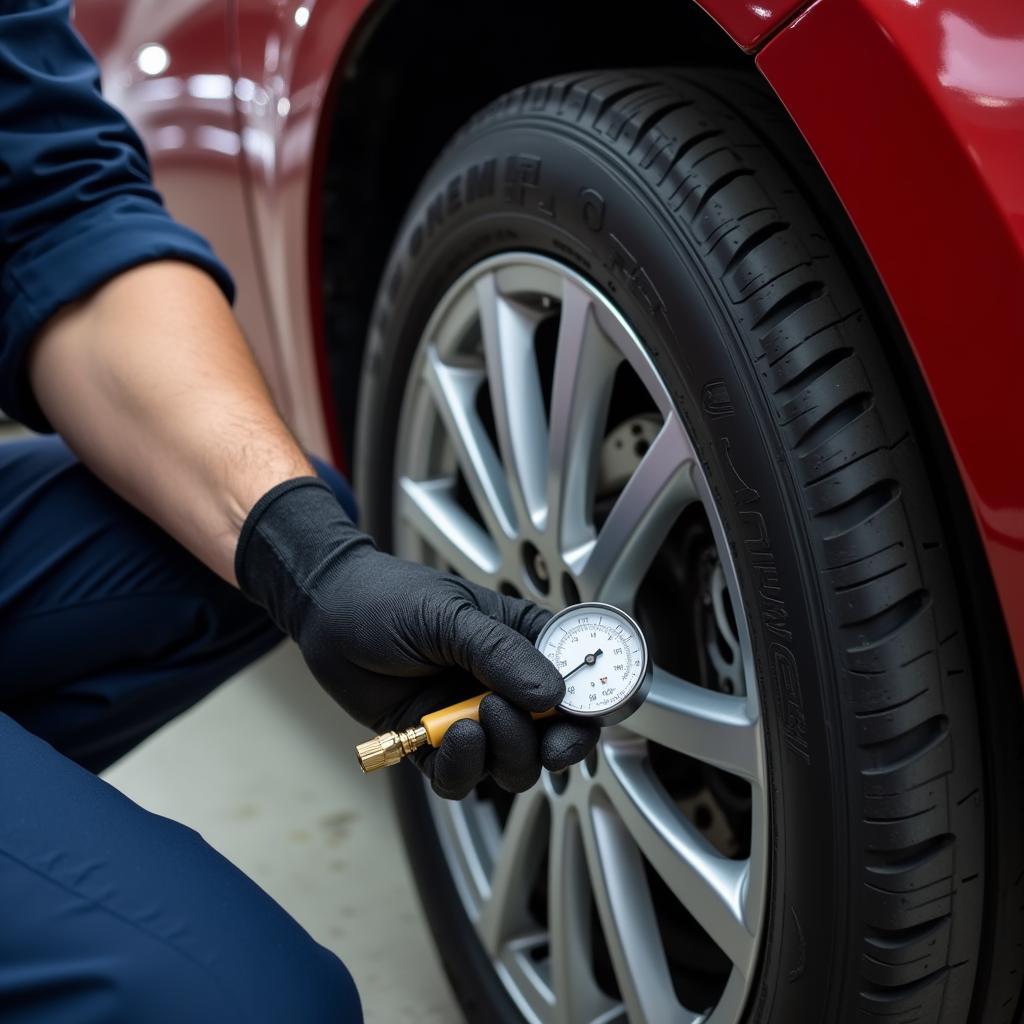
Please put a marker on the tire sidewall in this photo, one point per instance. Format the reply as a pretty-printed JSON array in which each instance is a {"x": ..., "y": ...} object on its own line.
[{"x": 549, "y": 192}]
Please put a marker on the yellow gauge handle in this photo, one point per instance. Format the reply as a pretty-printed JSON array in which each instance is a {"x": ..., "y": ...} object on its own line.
[
  {"x": 390, "y": 747},
  {"x": 437, "y": 723}
]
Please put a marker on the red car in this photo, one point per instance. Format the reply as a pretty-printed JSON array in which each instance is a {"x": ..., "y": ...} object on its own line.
[{"x": 714, "y": 314}]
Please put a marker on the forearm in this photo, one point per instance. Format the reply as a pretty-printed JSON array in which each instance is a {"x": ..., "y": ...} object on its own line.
[{"x": 153, "y": 385}]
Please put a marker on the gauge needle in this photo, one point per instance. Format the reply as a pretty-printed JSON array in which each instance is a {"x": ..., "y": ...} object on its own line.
[{"x": 588, "y": 660}]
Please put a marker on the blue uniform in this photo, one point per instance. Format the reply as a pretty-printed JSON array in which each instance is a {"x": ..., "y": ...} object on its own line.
[{"x": 107, "y": 627}]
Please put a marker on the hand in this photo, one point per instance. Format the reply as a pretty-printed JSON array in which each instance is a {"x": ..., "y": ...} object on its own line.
[{"x": 391, "y": 640}]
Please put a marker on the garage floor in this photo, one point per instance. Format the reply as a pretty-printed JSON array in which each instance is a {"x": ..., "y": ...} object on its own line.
[{"x": 264, "y": 770}]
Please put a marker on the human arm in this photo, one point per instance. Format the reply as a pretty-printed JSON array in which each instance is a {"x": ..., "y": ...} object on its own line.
[
  {"x": 108, "y": 334},
  {"x": 151, "y": 382}
]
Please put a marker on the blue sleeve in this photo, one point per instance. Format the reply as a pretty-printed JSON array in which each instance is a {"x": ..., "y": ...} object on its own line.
[{"x": 77, "y": 205}]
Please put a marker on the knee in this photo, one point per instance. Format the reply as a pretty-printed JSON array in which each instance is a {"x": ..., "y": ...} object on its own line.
[
  {"x": 338, "y": 484},
  {"x": 317, "y": 989},
  {"x": 325, "y": 994},
  {"x": 320, "y": 990},
  {"x": 163, "y": 988}
]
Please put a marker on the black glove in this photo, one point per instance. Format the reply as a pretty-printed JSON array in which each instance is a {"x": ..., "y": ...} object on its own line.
[{"x": 391, "y": 641}]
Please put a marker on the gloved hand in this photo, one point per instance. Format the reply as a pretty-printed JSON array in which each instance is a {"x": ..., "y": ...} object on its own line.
[{"x": 391, "y": 641}]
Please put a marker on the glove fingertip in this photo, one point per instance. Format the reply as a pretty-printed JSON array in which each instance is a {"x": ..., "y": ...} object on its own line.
[
  {"x": 540, "y": 685},
  {"x": 513, "y": 747},
  {"x": 505, "y": 661},
  {"x": 458, "y": 764},
  {"x": 566, "y": 743},
  {"x": 549, "y": 686}
]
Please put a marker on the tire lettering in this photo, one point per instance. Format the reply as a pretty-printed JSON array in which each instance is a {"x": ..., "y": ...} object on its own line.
[
  {"x": 623, "y": 264},
  {"x": 522, "y": 174},
  {"x": 480, "y": 180},
  {"x": 797, "y": 971},
  {"x": 592, "y": 209},
  {"x": 783, "y": 671},
  {"x": 745, "y": 494},
  {"x": 789, "y": 699},
  {"x": 774, "y": 614},
  {"x": 716, "y": 401},
  {"x": 477, "y": 182}
]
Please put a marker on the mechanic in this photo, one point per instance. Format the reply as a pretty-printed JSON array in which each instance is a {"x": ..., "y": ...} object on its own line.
[{"x": 169, "y": 542}]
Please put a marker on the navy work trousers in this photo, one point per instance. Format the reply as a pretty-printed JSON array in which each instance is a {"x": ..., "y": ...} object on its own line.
[{"x": 109, "y": 913}]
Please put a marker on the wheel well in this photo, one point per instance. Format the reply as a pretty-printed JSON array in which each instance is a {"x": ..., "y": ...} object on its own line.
[{"x": 418, "y": 72}]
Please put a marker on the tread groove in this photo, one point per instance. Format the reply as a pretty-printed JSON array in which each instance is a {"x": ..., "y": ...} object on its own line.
[
  {"x": 685, "y": 148},
  {"x": 716, "y": 186},
  {"x": 890, "y": 708},
  {"x": 789, "y": 304},
  {"x": 877, "y": 628},
  {"x": 907, "y": 859},
  {"x": 610, "y": 100},
  {"x": 894, "y": 938},
  {"x": 905, "y": 749},
  {"x": 748, "y": 245},
  {"x": 813, "y": 371},
  {"x": 812, "y": 480},
  {"x": 845, "y": 588},
  {"x": 653, "y": 119},
  {"x": 833, "y": 422},
  {"x": 865, "y": 558},
  {"x": 852, "y": 513},
  {"x": 837, "y": 322}
]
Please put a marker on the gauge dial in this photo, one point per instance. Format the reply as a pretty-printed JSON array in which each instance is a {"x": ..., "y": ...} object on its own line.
[{"x": 602, "y": 656}]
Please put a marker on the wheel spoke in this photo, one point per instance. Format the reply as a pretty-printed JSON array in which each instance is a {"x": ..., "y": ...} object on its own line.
[
  {"x": 581, "y": 389},
  {"x": 516, "y": 397},
  {"x": 430, "y": 508},
  {"x": 577, "y": 996},
  {"x": 715, "y": 728},
  {"x": 626, "y": 910},
  {"x": 709, "y": 885},
  {"x": 611, "y": 567},
  {"x": 455, "y": 389},
  {"x": 521, "y": 968},
  {"x": 503, "y": 914},
  {"x": 730, "y": 1003},
  {"x": 616, "y": 329},
  {"x": 475, "y": 823}
]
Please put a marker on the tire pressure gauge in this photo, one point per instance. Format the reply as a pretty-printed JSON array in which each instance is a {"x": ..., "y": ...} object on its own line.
[
  {"x": 602, "y": 656},
  {"x": 600, "y": 653}
]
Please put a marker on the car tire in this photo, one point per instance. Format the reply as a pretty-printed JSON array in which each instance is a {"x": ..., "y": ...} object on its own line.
[{"x": 715, "y": 237}]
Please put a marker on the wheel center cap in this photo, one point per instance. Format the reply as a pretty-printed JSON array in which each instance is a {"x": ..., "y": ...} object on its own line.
[
  {"x": 540, "y": 567},
  {"x": 536, "y": 567}
]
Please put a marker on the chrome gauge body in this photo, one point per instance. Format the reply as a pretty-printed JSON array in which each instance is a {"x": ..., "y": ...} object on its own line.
[{"x": 602, "y": 655}]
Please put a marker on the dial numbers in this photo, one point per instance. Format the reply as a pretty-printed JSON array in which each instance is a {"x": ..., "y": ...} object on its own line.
[{"x": 602, "y": 656}]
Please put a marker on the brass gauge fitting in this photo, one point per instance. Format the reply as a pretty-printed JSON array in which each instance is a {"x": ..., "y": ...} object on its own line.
[{"x": 390, "y": 747}]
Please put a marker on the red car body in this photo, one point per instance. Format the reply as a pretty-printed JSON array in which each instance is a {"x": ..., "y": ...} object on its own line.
[{"x": 913, "y": 108}]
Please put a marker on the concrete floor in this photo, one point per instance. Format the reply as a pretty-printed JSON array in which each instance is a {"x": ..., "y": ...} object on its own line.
[{"x": 264, "y": 769}]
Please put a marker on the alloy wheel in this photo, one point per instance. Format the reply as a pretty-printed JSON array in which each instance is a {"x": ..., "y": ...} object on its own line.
[{"x": 540, "y": 453}]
